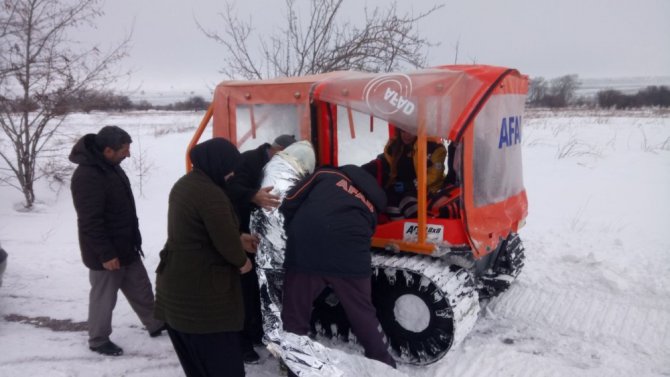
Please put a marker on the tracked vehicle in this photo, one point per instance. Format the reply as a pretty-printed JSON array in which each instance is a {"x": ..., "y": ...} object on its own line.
[{"x": 429, "y": 273}]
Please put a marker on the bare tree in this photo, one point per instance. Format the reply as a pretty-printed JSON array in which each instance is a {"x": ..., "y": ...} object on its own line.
[
  {"x": 456, "y": 47},
  {"x": 142, "y": 164},
  {"x": 563, "y": 90},
  {"x": 41, "y": 68},
  {"x": 537, "y": 91},
  {"x": 322, "y": 42},
  {"x": 558, "y": 92}
]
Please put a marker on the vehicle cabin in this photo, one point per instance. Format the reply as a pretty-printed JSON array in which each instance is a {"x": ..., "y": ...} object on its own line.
[{"x": 346, "y": 115}]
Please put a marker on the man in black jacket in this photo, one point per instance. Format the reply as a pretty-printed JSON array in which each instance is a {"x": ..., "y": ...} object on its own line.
[
  {"x": 330, "y": 217},
  {"x": 109, "y": 235},
  {"x": 3, "y": 263},
  {"x": 246, "y": 194}
]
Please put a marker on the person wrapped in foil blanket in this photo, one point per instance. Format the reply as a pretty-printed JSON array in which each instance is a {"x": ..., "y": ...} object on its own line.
[
  {"x": 303, "y": 356},
  {"x": 282, "y": 172}
]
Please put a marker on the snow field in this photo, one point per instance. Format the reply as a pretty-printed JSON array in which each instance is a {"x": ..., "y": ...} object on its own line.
[{"x": 592, "y": 300}]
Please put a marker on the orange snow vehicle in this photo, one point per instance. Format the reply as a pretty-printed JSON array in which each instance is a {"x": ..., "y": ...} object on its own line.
[{"x": 429, "y": 272}]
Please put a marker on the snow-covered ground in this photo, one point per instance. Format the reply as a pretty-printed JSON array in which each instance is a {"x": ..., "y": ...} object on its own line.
[{"x": 593, "y": 299}]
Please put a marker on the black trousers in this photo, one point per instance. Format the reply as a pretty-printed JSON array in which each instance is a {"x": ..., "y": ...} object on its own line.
[
  {"x": 253, "y": 322},
  {"x": 208, "y": 355},
  {"x": 355, "y": 295}
]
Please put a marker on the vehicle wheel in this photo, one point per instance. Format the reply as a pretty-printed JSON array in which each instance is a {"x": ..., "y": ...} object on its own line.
[
  {"x": 415, "y": 315},
  {"x": 329, "y": 318},
  {"x": 512, "y": 261},
  {"x": 505, "y": 269}
]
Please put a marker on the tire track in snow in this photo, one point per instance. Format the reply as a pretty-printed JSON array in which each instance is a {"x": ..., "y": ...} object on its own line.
[
  {"x": 638, "y": 320},
  {"x": 486, "y": 354}
]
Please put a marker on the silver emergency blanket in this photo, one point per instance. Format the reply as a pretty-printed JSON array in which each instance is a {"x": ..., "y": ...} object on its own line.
[
  {"x": 282, "y": 172},
  {"x": 309, "y": 358},
  {"x": 304, "y": 356}
]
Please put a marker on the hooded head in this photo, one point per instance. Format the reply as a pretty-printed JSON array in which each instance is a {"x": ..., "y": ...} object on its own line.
[
  {"x": 407, "y": 138},
  {"x": 216, "y": 158},
  {"x": 301, "y": 156},
  {"x": 111, "y": 145},
  {"x": 283, "y": 141}
]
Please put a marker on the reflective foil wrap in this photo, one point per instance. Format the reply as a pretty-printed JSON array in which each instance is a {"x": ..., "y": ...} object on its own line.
[
  {"x": 282, "y": 172},
  {"x": 304, "y": 356}
]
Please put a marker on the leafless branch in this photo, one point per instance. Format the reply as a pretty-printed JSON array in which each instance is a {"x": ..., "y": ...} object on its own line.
[
  {"x": 41, "y": 69},
  {"x": 322, "y": 42}
]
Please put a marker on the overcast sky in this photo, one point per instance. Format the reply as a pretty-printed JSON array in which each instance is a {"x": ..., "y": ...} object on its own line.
[{"x": 591, "y": 38}]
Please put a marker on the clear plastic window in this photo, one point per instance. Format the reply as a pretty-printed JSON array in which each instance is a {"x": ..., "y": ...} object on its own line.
[
  {"x": 367, "y": 141},
  {"x": 269, "y": 122}
]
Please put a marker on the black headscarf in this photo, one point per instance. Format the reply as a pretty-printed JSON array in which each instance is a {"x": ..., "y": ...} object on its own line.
[{"x": 215, "y": 157}]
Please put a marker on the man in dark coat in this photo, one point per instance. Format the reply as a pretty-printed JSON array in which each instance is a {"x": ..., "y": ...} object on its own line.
[
  {"x": 3, "y": 263},
  {"x": 109, "y": 235},
  {"x": 198, "y": 289},
  {"x": 246, "y": 194},
  {"x": 330, "y": 217}
]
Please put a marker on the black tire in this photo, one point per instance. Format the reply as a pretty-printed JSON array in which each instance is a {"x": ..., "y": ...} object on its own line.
[
  {"x": 329, "y": 318},
  {"x": 511, "y": 261},
  {"x": 507, "y": 266},
  {"x": 427, "y": 345},
  {"x": 393, "y": 278}
]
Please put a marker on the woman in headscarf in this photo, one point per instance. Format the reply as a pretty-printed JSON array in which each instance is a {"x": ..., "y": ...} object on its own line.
[{"x": 198, "y": 291}]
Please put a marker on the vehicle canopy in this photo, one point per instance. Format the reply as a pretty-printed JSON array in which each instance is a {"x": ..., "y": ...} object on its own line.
[{"x": 478, "y": 107}]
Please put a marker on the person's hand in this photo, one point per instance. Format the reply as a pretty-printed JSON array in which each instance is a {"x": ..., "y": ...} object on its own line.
[
  {"x": 112, "y": 264},
  {"x": 265, "y": 199},
  {"x": 246, "y": 268},
  {"x": 249, "y": 242}
]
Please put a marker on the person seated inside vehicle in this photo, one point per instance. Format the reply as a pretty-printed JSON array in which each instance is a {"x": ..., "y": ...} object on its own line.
[
  {"x": 395, "y": 171},
  {"x": 445, "y": 203}
]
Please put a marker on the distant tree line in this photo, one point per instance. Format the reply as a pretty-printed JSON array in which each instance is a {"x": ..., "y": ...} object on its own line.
[
  {"x": 192, "y": 103},
  {"x": 647, "y": 97},
  {"x": 87, "y": 100},
  {"x": 558, "y": 92},
  {"x": 561, "y": 92}
]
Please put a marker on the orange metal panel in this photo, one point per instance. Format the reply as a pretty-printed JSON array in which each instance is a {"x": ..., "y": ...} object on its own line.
[
  {"x": 454, "y": 232},
  {"x": 414, "y": 247},
  {"x": 422, "y": 203}
]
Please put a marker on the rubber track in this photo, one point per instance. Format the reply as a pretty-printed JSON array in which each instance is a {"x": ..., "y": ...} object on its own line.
[
  {"x": 458, "y": 286},
  {"x": 506, "y": 269}
]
